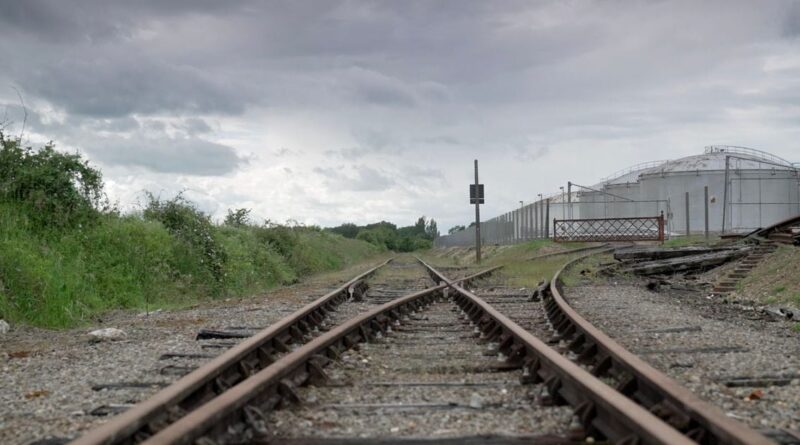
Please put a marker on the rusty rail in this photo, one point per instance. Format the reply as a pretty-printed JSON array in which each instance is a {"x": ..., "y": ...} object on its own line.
[
  {"x": 240, "y": 409},
  {"x": 698, "y": 420},
  {"x": 601, "y": 409},
  {"x": 221, "y": 373}
]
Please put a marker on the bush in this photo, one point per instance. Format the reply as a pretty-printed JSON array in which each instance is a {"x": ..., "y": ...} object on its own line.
[
  {"x": 191, "y": 226},
  {"x": 252, "y": 263},
  {"x": 57, "y": 189},
  {"x": 66, "y": 256}
]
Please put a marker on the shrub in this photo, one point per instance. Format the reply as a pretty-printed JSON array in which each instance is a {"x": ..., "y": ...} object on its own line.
[
  {"x": 237, "y": 218},
  {"x": 57, "y": 189},
  {"x": 191, "y": 226}
]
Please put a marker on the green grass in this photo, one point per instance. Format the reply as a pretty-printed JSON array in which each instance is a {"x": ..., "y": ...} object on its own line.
[
  {"x": 591, "y": 264},
  {"x": 796, "y": 327},
  {"x": 63, "y": 278},
  {"x": 774, "y": 280},
  {"x": 531, "y": 273},
  {"x": 518, "y": 268}
]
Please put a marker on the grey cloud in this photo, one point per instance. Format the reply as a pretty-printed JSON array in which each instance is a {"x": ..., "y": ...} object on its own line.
[
  {"x": 440, "y": 140},
  {"x": 528, "y": 154},
  {"x": 378, "y": 89},
  {"x": 388, "y": 83},
  {"x": 284, "y": 152},
  {"x": 189, "y": 156},
  {"x": 791, "y": 24},
  {"x": 116, "y": 85},
  {"x": 350, "y": 153},
  {"x": 359, "y": 178},
  {"x": 98, "y": 21},
  {"x": 418, "y": 174},
  {"x": 194, "y": 126},
  {"x": 123, "y": 124}
]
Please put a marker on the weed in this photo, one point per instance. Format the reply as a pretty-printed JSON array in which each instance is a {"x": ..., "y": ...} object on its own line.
[{"x": 770, "y": 300}]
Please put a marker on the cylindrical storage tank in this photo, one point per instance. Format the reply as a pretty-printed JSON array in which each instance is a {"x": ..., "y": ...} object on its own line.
[
  {"x": 623, "y": 200},
  {"x": 759, "y": 193},
  {"x": 592, "y": 204}
]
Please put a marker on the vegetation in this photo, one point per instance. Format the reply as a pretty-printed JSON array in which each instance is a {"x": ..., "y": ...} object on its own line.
[
  {"x": 775, "y": 281},
  {"x": 455, "y": 229},
  {"x": 66, "y": 255},
  {"x": 586, "y": 270},
  {"x": 387, "y": 236}
]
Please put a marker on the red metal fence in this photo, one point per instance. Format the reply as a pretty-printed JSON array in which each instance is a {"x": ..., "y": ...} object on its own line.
[{"x": 609, "y": 229}]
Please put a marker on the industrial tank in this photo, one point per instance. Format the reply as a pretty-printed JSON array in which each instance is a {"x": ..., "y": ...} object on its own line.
[
  {"x": 747, "y": 189},
  {"x": 761, "y": 189}
]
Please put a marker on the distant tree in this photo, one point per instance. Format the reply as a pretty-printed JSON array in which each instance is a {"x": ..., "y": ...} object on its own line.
[
  {"x": 238, "y": 217},
  {"x": 382, "y": 224},
  {"x": 419, "y": 226},
  {"x": 385, "y": 234},
  {"x": 347, "y": 230},
  {"x": 431, "y": 230},
  {"x": 455, "y": 229},
  {"x": 472, "y": 224}
]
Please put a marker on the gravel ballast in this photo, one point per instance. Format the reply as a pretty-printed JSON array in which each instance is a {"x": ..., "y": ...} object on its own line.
[
  {"x": 704, "y": 345},
  {"x": 48, "y": 376},
  {"x": 429, "y": 378}
]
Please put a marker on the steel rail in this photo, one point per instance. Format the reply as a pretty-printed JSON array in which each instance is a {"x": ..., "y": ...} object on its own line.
[
  {"x": 697, "y": 419},
  {"x": 242, "y": 404},
  {"x": 599, "y": 407},
  {"x": 222, "y": 372}
]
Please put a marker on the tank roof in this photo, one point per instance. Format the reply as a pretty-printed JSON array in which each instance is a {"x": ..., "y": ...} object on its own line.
[
  {"x": 631, "y": 174},
  {"x": 714, "y": 159}
]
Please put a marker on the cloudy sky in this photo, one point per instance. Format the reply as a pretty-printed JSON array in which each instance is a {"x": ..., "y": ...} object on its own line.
[{"x": 332, "y": 111}]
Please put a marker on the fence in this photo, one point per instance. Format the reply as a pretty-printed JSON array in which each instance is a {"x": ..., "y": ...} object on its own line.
[
  {"x": 535, "y": 220},
  {"x": 610, "y": 229}
]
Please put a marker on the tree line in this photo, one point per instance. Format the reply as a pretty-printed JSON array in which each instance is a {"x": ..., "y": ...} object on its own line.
[{"x": 384, "y": 234}]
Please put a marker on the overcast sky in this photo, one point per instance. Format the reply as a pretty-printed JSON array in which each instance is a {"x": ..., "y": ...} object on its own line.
[{"x": 333, "y": 111}]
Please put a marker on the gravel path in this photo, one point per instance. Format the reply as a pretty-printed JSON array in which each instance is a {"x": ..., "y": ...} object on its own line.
[
  {"x": 711, "y": 348},
  {"x": 51, "y": 379}
]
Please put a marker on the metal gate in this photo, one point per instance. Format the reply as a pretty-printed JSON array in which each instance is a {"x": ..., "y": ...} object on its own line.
[{"x": 609, "y": 229}]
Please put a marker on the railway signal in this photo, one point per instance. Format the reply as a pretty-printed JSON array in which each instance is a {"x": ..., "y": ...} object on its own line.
[{"x": 476, "y": 197}]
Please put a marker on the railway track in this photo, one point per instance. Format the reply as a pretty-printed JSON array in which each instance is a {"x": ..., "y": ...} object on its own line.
[
  {"x": 588, "y": 346},
  {"x": 255, "y": 352},
  {"x": 430, "y": 363}
]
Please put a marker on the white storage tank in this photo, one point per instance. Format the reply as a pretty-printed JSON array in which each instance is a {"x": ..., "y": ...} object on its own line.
[{"x": 761, "y": 189}]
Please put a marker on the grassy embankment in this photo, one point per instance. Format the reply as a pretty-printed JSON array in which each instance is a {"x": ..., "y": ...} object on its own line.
[
  {"x": 64, "y": 278},
  {"x": 67, "y": 256},
  {"x": 776, "y": 281}
]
